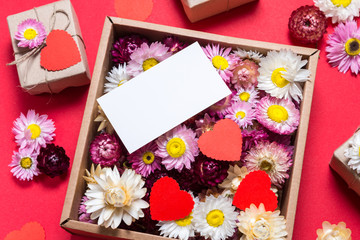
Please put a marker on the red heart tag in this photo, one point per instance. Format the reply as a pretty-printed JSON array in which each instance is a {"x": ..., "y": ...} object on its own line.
[
  {"x": 255, "y": 189},
  {"x": 60, "y": 51},
  {"x": 168, "y": 202},
  {"x": 30, "y": 231},
  {"x": 224, "y": 142}
]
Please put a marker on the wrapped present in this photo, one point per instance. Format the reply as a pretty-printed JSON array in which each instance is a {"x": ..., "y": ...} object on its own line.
[
  {"x": 49, "y": 49},
  {"x": 346, "y": 162},
  {"x": 200, "y": 9}
]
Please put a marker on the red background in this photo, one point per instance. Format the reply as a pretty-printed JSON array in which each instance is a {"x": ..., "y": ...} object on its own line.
[{"x": 334, "y": 115}]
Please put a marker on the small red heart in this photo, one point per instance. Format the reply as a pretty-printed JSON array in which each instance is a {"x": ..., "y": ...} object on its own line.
[
  {"x": 60, "y": 51},
  {"x": 255, "y": 189},
  {"x": 30, "y": 231},
  {"x": 168, "y": 202},
  {"x": 224, "y": 142}
]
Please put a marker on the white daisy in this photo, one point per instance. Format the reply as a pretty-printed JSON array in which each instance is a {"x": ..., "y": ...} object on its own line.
[
  {"x": 181, "y": 228},
  {"x": 281, "y": 74},
  {"x": 249, "y": 95},
  {"x": 353, "y": 152},
  {"x": 252, "y": 55},
  {"x": 116, "y": 77},
  {"x": 258, "y": 224},
  {"x": 339, "y": 10},
  {"x": 215, "y": 218},
  {"x": 114, "y": 198},
  {"x": 233, "y": 180}
]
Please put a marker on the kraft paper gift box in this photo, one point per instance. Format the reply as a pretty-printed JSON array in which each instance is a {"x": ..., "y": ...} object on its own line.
[
  {"x": 339, "y": 163},
  {"x": 113, "y": 29},
  {"x": 34, "y": 78},
  {"x": 199, "y": 9}
]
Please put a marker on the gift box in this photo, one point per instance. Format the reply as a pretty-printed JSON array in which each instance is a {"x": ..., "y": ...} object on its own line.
[
  {"x": 199, "y": 9},
  {"x": 113, "y": 29},
  {"x": 61, "y": 61},
  {"x": 339, "y": 163}
]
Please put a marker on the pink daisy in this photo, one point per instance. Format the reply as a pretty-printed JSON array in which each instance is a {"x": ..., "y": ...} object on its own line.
[
  {"x": 222, "y": 60},
  {"x": 144, "y": 161},
  {"x": 24, "y": 164},
  {"x": 145, "y": 57},
  {"x": 30, "y": 33},
  {"x": 178, "y": 148},
  {"x": 33, "y": 131},
  {"x": 249, "y": 95},
  {"x": 344, "y": 47},
  {"x": 278, "y": 115},
  {"x": 242, "y": 113},
  {"x": 272, "y": 158}
]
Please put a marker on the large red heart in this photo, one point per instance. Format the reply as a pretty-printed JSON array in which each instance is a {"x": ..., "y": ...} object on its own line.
[
  {"x": 30, "y": 231},
  {"x": 255, "y": 189},
  {"x": 168, "y": 202},
  {"x": 60, "y": 51},
  {"x": 224, "y": 142}
]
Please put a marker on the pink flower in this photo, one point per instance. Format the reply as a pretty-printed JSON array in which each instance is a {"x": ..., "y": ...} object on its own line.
[
  {"x": 105, "y": 150},
  {"x": 344, "y": 47},
  {"x": 245, "y": 74},
  {"x": 278, "y": 115},
  {"x": 145, "y": 57},
  {"x": 33, "y": 131},
  {"x": 242, "y": 113},
  {"x": 178, "y": 148},
  {"x": 144, "y": 161},
  {"x": 222, "y": 60},
  {"x": 249, "y": 95},
  {"x": 204, "y": 125},
  {"x": 24, "y": 164},
  {"x": 30, "y": 33}
]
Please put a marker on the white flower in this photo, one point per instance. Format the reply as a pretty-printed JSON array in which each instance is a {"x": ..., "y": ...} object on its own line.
[
  {"x": 181, "y": 228},
  {"x": 353, "y": 152},
  {"x": 257, "y": 224},
  {"x": 234, "y": 178},
  {"x": 114, "y": 198},
  {"x": 281, "y": 74},
  {"x": 98, "y": 172},
  {"x": 215, "y": 218},
  {"x": 116, "y": 77},
  {"x": 339, "y": 10},
  {"x": 252, "y": 55},
  {"x": 333, "y": 231}
]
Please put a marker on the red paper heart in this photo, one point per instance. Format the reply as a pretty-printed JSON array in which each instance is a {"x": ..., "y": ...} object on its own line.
[
  {"x": 30, "y": 231},
  {"x": 255, "y": 189},
  {"x": 168, "y": 202},
  {"x": 60, "y": 51},
  {"x": 224, "y": 142}
]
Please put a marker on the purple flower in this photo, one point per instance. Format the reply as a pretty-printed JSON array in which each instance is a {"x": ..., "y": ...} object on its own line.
[
  {"x": 174, "y": 44},
  {"x": 144, "y": 161},
  {"x": 204, "y": 125},
  {"x": 84, "y": 216},
  {"x": 125, "y": 46},
  {"x": 105, "y": 150},
  {"x": 53, "y": 161},
  {"x": 210, "y": 172}
]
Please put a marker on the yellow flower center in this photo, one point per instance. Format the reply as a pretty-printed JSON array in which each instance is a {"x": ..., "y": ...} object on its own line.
[
  {"x": 26, "y": 162},
  {"x": 176, "y": 147},
  {"x": 240, "y": 114},
  {"x": 35, "y": 130},
  {"x": 30, "y": 34},
  {"x": 261, "y": 229},
  {"x": 277, "y": 113},
  {"x": 278, "y": 79},
  {"x": 121, "y": 82},
  {"x": 117, "y": 197},
  {"x": 352, "y": 47},
  {"x": 149, "y": 63},
  {"x": 215, "y": 218},
  {"x": 220, "y": 62},
  {"x": 244, "y": 96},
  {"x": 186, "y": 221},
  {"x": 148, "y": 157},
  {"x": 343, "y": 3},
  {"x": 266, "y": 165}
]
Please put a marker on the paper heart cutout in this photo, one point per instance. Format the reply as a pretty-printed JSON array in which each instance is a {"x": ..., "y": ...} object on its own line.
[
  {"x": 224, "y": 142},
  {"x": 30, "y": 231},
  {"x": 60, "y": 51},
  {"x": 255, "y": 189},
  {"x": 168, "y": 202}
]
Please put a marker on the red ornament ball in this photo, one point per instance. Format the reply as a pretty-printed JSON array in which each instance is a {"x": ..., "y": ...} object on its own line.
[{"x": 307, "y": 24}]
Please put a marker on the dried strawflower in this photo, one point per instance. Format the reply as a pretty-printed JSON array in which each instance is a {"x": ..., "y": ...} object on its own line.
[
  {"x": 105, "y": 150},
  {"x": 125, "y": 46},
  {"x": 249, "y": 95},
  {"x": 242, "y": 113},
  {"x": 353, "y": 152},
  {"x": 53, "y": 161},
  {"x": 339, "y": 10},
  {"x": 116, "y": 77},
  {"x": 30, "y": 33},
  {"x": 333, "y": 231},
  {"x": 84, "y": 216},
  {"x": 24, "y": 164},
  {"x": 173, "y": 44},
  {"x": 245, "y": 74},
  {"x": 104, "y": 122},
  {"x": 234, "y": 178},
  {"x": 210, "y": 172},
  {"x": 144, "y": 161},
  {"x": 205, "y": 124}
]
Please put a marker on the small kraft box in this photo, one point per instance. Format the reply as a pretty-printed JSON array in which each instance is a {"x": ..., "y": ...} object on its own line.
[
  {"x": 197, "y": 10},
  {"x": 341, "y": 162},
  {"x": 117, "y": 27},
  {"x": 60, "y": 60}
]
